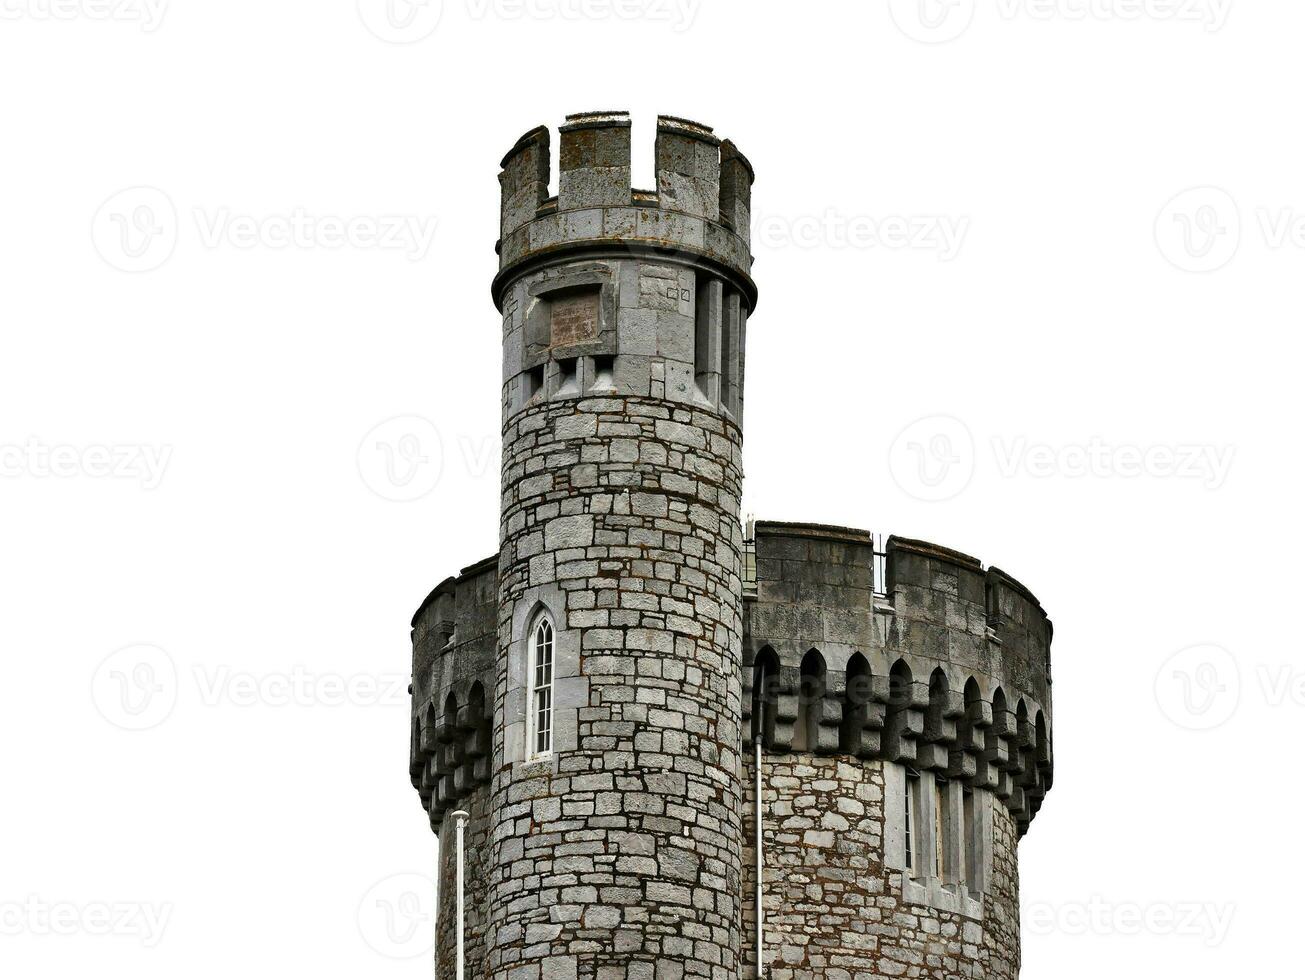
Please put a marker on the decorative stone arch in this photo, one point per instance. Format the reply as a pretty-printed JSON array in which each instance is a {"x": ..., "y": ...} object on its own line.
[
  {"x": 817, "y": 725},
  {"x": 865, "y": 699},
  {"x": 761, "y": 696},
  {"x": 904, "y": 723},
  {"x": 939, "y": 736},
  {"x": 476, "y": 722}
]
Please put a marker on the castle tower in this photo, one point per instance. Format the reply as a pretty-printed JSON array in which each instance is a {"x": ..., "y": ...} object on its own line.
[{"x": 594, "y": 694}]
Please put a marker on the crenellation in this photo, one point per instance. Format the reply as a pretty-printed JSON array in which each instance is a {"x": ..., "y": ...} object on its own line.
[
  {"x": 524, "y": 179},
  {"x": 598, "y": 695}
]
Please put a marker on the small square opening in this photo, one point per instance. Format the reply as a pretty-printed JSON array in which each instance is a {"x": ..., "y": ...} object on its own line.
[
  {"x": 604, "y": 373},
  {"x": 568, "y": 376},
  {"x": 534, "y": 381}
]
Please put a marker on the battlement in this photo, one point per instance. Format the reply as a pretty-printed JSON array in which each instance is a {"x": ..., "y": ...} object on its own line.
[
  {"x": 948, "y": 670},
  {"x": 701, "y": 206},
  {"x": 453, "y": 648}
]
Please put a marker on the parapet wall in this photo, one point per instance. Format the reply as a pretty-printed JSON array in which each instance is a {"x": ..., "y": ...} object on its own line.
[
  {"x": 454, "y": 634},
  {"x": 948, "y": 670},
  {"x": 700, "y": 207},
  {"x": 942, "y": 612}
]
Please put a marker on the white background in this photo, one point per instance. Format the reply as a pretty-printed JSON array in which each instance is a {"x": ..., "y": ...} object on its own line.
[{"x": 270, "y": 576}]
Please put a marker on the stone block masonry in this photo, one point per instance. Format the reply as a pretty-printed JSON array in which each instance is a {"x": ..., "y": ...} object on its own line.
[
  {"x": 593, "y": 694},
  {"x": 621, "y": 851}
]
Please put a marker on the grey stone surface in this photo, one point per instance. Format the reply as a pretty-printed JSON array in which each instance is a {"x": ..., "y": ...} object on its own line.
[{"x": 626, "y": 853}]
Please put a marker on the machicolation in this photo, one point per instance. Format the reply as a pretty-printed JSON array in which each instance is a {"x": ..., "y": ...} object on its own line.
[{"x": 592, "y": 701}]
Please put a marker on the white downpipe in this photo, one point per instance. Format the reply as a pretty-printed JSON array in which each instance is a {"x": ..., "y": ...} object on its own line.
[
  {"x": 761, "y": 863},
  {"x": 460, "y": 817}
]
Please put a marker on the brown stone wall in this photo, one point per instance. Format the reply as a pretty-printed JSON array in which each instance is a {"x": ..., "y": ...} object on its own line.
[
  {"x": 475, "y": 850},
  {"x": 834, "y": 911}
]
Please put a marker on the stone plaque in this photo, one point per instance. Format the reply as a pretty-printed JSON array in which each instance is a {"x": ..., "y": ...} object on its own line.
[{"x": 575, "y": 318}]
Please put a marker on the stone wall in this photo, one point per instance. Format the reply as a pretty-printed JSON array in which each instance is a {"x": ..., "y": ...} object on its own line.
[
  {"x": 618, "y": 856},
  {"x": 475, "y": 851},
  {"x": 621, "y": 853},
  {"x": 835, "y": 910},
  {"x": 454, "y": 634},
  {"x": 948, "y": 669}
]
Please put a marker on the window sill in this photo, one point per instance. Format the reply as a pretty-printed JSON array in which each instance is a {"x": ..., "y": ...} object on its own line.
[{"x": 936, "y": 894}]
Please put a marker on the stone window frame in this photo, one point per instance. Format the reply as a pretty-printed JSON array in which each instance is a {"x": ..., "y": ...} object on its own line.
[
  {"x": 570, "y": 690},
  {"x": 538, "y": 325},
  {"x": 926, "y": 886},
  {"x": 719, "y": 332},
  {"x": 543, "y": 620}
]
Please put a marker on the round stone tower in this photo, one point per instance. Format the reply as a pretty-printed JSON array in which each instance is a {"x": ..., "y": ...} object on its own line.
[
  {"x": 615, "y": 844},
  {"x": 597, "y": 696}
]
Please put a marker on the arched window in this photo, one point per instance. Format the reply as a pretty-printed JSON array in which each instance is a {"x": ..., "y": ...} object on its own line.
[
  {"x": 811, "y": 693},
  {"x": 765, "y": 695},
  {"x": 539, "y": 700}
]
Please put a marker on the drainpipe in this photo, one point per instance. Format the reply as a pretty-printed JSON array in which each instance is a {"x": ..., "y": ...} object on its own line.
[
  {"x": 761, "y": 915},
  {"x": 460, "y": 817}
]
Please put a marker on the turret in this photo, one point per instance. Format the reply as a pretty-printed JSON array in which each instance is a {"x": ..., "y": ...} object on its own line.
[
  {"x": 613, "y": 700},
  {"x": 615, "y": 798}
]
